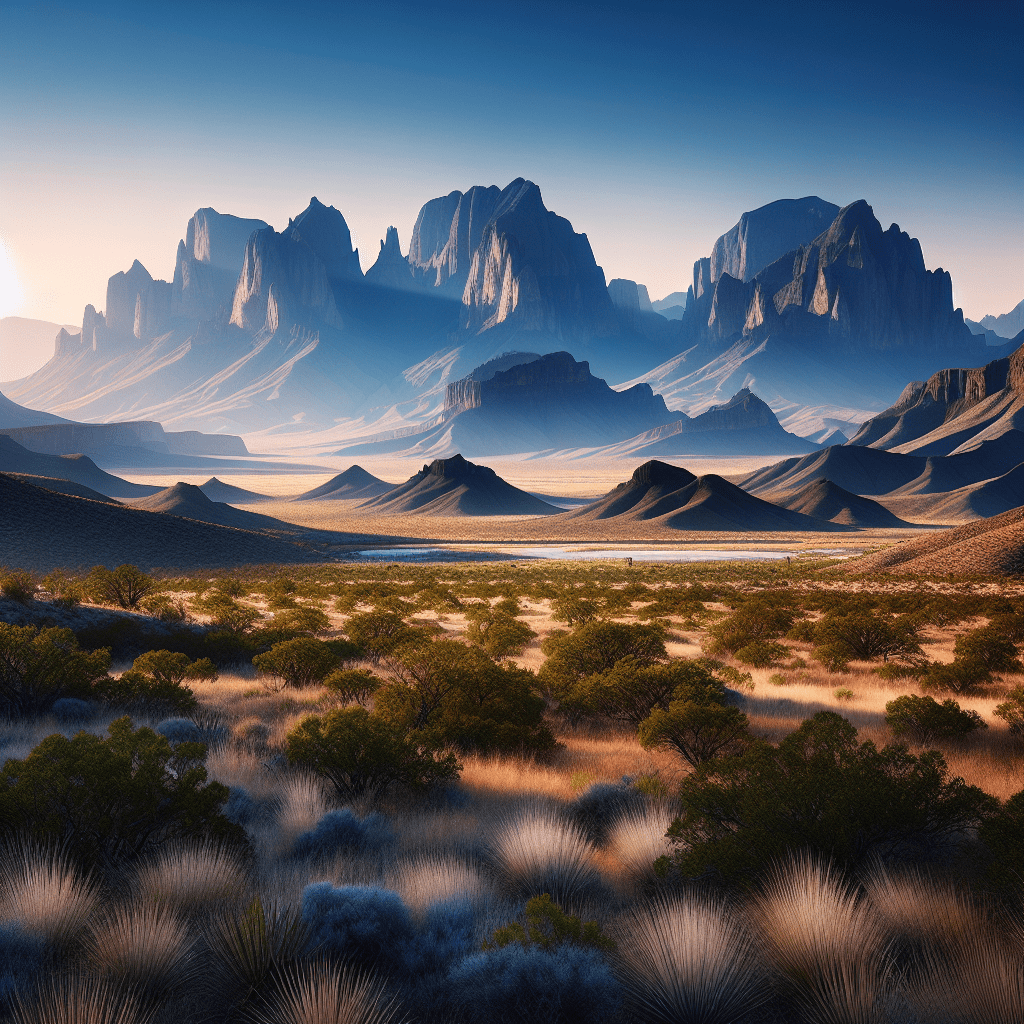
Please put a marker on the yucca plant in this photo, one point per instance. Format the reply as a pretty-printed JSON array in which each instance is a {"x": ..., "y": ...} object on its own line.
[
  {"x": 43, "y": 891},
  {"x": 826, "y": 943},
  {"x": 688, "y": 961},
  {"x": 250, "y": 948},
  {"x": 80, "y": 999},
  {"x": 322, "y": 993},
  {"x": 539, "y": 852},
  {"x": 144, "y": 947}
]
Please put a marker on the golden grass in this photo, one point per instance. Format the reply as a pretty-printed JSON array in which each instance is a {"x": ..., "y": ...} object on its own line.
[
  {"x": 80, "y": 999},
  {"x": 191, "y": 879},
  {"x": 321, "y": 993},
  {"x": 435, "y": 878},
  {"x": 637, "y": 840},
  {"x": 45, "y": 893}
]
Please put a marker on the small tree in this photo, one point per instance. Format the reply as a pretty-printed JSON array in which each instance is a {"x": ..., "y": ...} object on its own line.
[
  {"x": 924, "y": 720},
  {"x": 124, "y": 586},
  {"x": 115, "y": 799},
  {"x": 574, "y": 610},
  {"x": 1011, "y": 711},
  {"x": 989, "y": 649},
  {"x": 353, "y": 684},
  {"x": 360, "y": 753},
  {"x": 695, "y": 730},
  {"x": 763, "y": 617},
  {"x": 864, "y": 635},
  {"x": 380, "y": 634},
  {"x": 303, "y": 661},
  {"x": 39, "y": 667},
  {"x": 499, "y": 634}
]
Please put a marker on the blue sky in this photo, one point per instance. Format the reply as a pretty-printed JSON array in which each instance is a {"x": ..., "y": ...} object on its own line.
[{"x": 652, "y": 126}]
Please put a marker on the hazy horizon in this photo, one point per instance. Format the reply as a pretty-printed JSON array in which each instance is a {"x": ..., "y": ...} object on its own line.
[{"x": 650, "y": 127}]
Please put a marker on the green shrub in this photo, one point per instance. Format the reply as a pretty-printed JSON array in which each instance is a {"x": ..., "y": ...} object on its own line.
[
  {"x": 18, "y": 586},
  {"x": 778, "y": 679},
  {"x": 595, "y": 647},
  {"x": 819, "y": 791},
  {"x": 573, "y": 610},
  {"x": 111, "y": 800},
  {"x": 843, "y": 694},
  {"x": 303, "y": 661},
  {"x": 360, "y": 753},
  {"x": 1011, "y": 711},
  {"x": 924, "y": 719},
  {"x": 762, "y": 653},
  {"x": 990, "y": 650},
  {"x": 380, "y": 634},
  {"x": 353, "y": 684},
  {"x": 124, "y": 586},
  {"x": 165, "y": 608},
  {"x": 696, "y": 730},
  {"x": 39, "y": 667},
  {"x": 959, "y": 677},
  {"x": 864, "y": 636},
  {"x": 759, "y": 618},
  {"x": 302, "y": 620},
  {"x": 226, "y": 613},
  {"x": 499, "y": 634},
  {"x": 64, "y": 590},
  {"x": 451, "y": 694},
  {"x": 548, "y": 926},
  {"x": 630, "y": 690}
]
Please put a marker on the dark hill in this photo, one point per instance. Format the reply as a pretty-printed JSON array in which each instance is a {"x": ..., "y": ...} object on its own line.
[
  {"x": 217, "y": 490},
  {"x": 79, "y": 468},
  {"x": 455, "y": 487},
  {"x": 988, "y": 498},
  {"x": 640, "y": 495},
  {"x": 189, "y": 501},
  {"x": 41, "y": 531},
  {"x": 677, "y": 499},
  {"x": 823, "y": 499},
  {"x": 49, "y": 483},
  {"x": 355, "y": 482}
]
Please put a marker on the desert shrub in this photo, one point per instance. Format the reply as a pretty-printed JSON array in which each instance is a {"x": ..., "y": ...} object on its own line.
[
  {"x": 114, "y": 799},
  {"x": 342, "y": 831},
  {"x": 697, "y": 730},
  {"x": 73, "y": 710},
  {"x": 156, "y": 681},
  {"x": 39, "y": 667},
  {"x": 894, "y": 671},
  {"x": 226, "y": 613},
  {"x": 522, "y": 985},
  {"x": 547, "y": 926},
  {"x": 959, "y": 677},
  {"x": 124, "y": 586},
  {"x": 173, "y": 668},
  {"x": 242, "y": 808},
  {"x": 595, "y": 810},
  {"x": 762, "y": 653},
  {"x": 187, "y": 730},
  {"x": 380, "y": 634},
  {"x": 630, "y": 690},
  {"x": 302, "y": 620},
  {"x": 353, "y": 684},
  {"x": 843, "y": 694},
  {"x": 741, "y": 813},
  {"x": 1011, "y": 711},
  {"x": 18, "y": 586},
  {"x": 1003, "y": 835},
  {"x": 595, "y": 647},
  {"x": 362, "y": 753},
  {"x": 22, "y": 959},
  {"x": 451, "y": 694},
  {"x": 499, "y": 634},
  {"x": 762, "y": 617},
  {"x": 689, "y": 960},
  {"x": 303, "y": 661},
  {"x": 988, "y": 648},
  {"x": 864, "y": 636},
  {"x": 64, "y": 590},
  {"x": 924, "y": 719},
  {"x": 365, "y": 925},
  {"x": 165, "y": 608},
  {"x": 573, "y": 610}
]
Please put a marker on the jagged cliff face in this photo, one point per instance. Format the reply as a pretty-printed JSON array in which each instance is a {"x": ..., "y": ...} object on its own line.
[
  {"x": 325, "y": 232},
  {"x": 391, "y": 270},
  {"x": 532, "y": 272},
  {"x": 744, "y": 411},
  {"x": 765, "y": 234},
  {"x": 854, "y": 286}
]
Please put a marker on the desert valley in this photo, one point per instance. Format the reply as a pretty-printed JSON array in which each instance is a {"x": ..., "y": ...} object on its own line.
[{"x": 458, "y": 633}]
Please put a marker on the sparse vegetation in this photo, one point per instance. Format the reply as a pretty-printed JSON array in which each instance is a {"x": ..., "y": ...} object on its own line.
[{"x": 590, "y": 823}]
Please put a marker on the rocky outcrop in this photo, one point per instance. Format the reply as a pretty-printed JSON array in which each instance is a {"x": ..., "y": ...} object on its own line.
[
  {"x": 448, "y": 232},
  {"x": 744, "y": 411},
  {"x": 767, "y": 233},
  {"x": 136, "y": 304},
  {"x": 532, "y": 272},
  {"x": 283, "y": 282},
  {"x": 392, "y": 269},
  {"x": 625, "y": 294},
  {"x": 324, "y": 230}
]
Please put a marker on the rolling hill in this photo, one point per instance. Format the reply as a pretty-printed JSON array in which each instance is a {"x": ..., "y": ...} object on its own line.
[{"x": 355, "y": 482}]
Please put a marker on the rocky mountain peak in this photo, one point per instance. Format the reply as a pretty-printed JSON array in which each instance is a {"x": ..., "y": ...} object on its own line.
[
  {"x": 325, "y": 231},
  {"x": 660, "y": 474},
  {"x": 391, "y": 270}
]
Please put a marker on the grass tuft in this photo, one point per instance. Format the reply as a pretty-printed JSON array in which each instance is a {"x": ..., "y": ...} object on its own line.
[
  {"x": 320, "y": 993},
  {"x": 45, "y": 893},
  {"x": 434, "y": 878},
  {"x": 637, "y": 840},
  {"x": 191, "y": 879},
  {"x": 80, "y": 999},
  {"x": 688, "y": 961}
]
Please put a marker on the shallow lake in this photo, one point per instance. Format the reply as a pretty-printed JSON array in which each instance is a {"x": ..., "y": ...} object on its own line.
[{"x": 568, "y": 553}]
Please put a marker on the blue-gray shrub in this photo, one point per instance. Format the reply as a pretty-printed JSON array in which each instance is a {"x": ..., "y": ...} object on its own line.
[
  {"x": 521, "y": 985},
  {"x": 71, "y": 710},
  {"x": 595, "y": 809},
  {"x": 22, "y": 958},
  {"x": 343, "y": 831}
]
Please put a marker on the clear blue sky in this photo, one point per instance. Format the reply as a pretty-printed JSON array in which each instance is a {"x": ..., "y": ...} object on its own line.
[{"x": 652, "y": 126}]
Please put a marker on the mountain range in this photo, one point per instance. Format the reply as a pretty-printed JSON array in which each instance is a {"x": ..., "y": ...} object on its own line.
[{"x": 802, "y": 302}]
